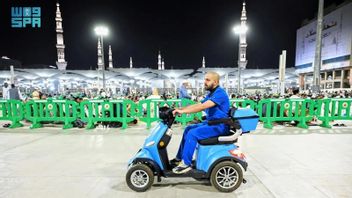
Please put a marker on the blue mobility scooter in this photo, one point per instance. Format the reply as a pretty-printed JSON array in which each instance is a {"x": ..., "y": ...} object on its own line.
[{"x": 218, "y": 159}]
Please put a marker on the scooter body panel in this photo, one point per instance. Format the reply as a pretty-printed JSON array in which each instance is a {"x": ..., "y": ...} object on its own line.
[
  {"x": 150, "y": 146},
  {"x": 209, "y": 154}
]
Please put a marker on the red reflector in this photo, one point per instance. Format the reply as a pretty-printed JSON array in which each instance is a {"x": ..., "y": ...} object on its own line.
[{"x": 237, "y": 153}]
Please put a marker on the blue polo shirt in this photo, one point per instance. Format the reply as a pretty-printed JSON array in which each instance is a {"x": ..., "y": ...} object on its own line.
[{"x": 222, "y": 107}]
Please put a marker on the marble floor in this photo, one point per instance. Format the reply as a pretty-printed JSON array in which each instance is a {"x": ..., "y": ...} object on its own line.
[{"x": 283, "y": 162}]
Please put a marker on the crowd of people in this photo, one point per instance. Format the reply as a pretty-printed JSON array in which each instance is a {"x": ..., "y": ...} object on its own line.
[{"x": 185, "y": 92}]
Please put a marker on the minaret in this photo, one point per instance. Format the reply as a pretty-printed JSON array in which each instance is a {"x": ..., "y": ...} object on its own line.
[
  {"x": 162, "y": 65},
  {"x": 100, "y": 55},
  {"x": 110, "y": 57},
  {"x": 242, "y": 61},
  {"x": 159, "y": 61},
  {"x": 203, "y": 62},
  {"x": 131, "y": 63},
  {"x": 61, "y": 63}
]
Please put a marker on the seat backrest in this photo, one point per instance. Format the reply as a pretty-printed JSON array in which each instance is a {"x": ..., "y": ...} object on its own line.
[{"x": 246, "y": 118}]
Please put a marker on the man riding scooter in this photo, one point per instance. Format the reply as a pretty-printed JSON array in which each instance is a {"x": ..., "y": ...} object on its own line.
[
  {"x": 216, "y": 106},
  {"x": 218, "y": 159}
]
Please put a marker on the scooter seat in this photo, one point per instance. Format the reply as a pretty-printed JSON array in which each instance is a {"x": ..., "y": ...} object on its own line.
[{"x": 224, "y": 139}]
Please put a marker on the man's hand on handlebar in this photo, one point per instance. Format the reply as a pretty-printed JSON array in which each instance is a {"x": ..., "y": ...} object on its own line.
[{"x": 177, "y": 111}]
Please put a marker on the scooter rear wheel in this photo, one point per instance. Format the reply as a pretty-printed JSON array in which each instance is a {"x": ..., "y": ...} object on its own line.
[
  {"x": 226, "y": 176},
  {"x": 139, "y": 178}
]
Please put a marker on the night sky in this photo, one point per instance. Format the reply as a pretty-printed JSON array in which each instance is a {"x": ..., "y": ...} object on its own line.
[{"x": 184, "y": 32}]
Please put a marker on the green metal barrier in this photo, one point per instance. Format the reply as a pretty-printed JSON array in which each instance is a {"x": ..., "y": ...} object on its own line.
[
  {"x": 38, "y": 111},
  {"x": 92, "y": 111},
  {"x": 243, "y": 103},
  {"x": 12, "y": 110},
  {"x": 148, "y": 110},
  {"x": 333, "y": 109},
  {"x": 273, "y": 110},
  {"x": 125, "y": 111}
]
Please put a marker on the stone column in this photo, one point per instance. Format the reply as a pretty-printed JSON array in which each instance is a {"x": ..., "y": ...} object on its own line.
[
  {"x": 350, "y": 77},
  {"x": 301, "y": 82}
]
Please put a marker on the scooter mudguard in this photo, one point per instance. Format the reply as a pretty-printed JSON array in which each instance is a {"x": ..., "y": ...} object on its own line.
[{"x": 142, "y": 153}]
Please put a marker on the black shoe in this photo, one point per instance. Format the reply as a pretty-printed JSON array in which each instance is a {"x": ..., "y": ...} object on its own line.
[{"x": 175, "y": 162}]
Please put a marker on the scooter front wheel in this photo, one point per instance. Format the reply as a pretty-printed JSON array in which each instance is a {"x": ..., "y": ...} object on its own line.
[
  {"x": 226, "y": 176},
  {"x": 140, "y": 178}
]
